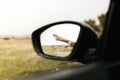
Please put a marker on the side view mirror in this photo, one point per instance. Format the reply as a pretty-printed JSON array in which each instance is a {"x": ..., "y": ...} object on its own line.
[{"x": 65, "y": 40}]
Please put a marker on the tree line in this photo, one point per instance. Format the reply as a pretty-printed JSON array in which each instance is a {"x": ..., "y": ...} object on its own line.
[{"x": 97, "y": 27}]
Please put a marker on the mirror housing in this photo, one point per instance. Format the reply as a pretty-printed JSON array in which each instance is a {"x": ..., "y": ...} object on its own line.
[{"x": 87, "y": 39}]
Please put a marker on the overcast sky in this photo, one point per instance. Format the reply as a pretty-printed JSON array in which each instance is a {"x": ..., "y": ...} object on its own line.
[{"x": 22, "y": 17}]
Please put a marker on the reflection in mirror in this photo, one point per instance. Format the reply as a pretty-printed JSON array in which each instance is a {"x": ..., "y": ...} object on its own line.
[{"x": 59, "y": 40}]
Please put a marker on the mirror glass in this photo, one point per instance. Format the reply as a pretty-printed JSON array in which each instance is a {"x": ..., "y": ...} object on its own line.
[{"x": 60, "y": 39}]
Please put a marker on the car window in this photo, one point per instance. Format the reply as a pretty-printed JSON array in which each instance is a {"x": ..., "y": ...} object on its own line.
[{"x": 19, "y": 18}]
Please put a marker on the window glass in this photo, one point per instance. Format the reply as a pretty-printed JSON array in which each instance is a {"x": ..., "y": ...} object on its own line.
[{"x": 19, "y": 18}]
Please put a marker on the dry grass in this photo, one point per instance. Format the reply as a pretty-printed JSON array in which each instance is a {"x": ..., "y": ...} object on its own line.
[{"x": 17, "y": 58}]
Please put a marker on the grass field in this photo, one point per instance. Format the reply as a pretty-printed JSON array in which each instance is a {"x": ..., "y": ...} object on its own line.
[
  {"x": 57, "y": 50},
  {"x": 18, "y": 59}
]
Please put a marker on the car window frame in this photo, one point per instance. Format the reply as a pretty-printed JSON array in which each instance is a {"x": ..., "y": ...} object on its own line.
[{"x": 109, "y": 39}]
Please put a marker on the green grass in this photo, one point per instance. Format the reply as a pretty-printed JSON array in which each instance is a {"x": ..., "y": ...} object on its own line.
[{"x": 18, "y": 59}]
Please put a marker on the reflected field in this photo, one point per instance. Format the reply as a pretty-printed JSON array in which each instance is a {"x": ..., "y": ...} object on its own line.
[{"x": 57, "y": 50}]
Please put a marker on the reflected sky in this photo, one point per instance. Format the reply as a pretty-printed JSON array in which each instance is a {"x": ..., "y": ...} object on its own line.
[{"x": 67, "y": 31}]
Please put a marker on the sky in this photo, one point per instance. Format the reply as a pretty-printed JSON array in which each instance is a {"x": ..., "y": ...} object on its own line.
[{"x": 22, "y": 17}]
